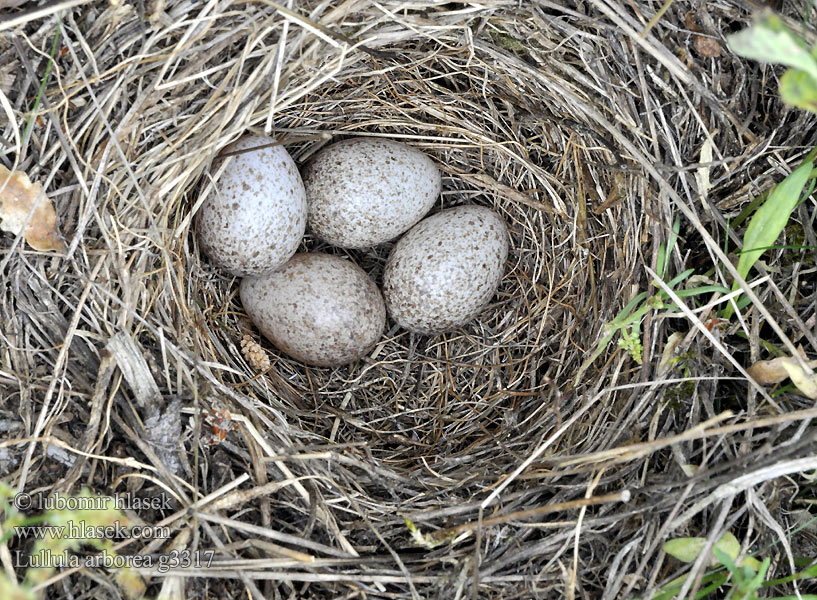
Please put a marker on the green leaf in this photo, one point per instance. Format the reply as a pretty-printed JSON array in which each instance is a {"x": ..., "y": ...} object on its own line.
[
  {"x": 798, "y": 88},
  {"x": 769, "y": 41},
  {"x": 631, "y": 342},
  {"x": 688, "y": 549},
  {"x": 11, "y": 591},
  {"x": 684, "y": 549},
  {"x": 752, "y": 563},
  {"x": 771, "y": 218},
  {"x": 729, "y": 545},
  {"x": 762, "y": 568}
]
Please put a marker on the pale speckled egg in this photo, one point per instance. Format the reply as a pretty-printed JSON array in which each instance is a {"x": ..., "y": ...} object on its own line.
[
  {"x": 255, "y": 218},
  {"x": 317, "y": 308},
  {"x": 365, "y": 191},
  {"x": 444, "y": 271}
]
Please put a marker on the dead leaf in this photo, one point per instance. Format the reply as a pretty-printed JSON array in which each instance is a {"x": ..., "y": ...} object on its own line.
[
  {"x": 769, "y": 372},
  {"x": 17, "y": 198},
  {"x": 155, "y": 10},
  {"x": 706, "y": 46},
  {"x": 615, "y": 196},
  {"x": 689, "y": 470},
  {"x": 669, "y": 352},
  {"x": 702, "y": 174},
  {"x": 8, "y": 75},
  {"x": 691, "y": 23},
  {"x": 163, "y": 429},
  {"x": 806, "y": 382}
]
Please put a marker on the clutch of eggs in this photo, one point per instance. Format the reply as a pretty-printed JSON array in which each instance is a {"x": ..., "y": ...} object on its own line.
[{"x": 324, "y": 310}]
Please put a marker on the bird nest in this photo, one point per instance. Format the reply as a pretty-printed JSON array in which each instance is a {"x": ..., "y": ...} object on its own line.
[{"x": 521, "y": 455}]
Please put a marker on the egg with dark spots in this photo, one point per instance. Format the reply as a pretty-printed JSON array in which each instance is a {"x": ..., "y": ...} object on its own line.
[
  {"x": 446, "y": 269},
  {"x": 365, "y": 191},
  {"x": 255, "y": 217},
  {"x": 319, "y": 309}
]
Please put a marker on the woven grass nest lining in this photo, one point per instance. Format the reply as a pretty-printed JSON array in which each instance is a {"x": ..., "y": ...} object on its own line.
[{"x": 578, "y": 131}]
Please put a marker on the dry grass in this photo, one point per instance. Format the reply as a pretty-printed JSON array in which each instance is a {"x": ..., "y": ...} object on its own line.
[{"x": 581, "y": 125}]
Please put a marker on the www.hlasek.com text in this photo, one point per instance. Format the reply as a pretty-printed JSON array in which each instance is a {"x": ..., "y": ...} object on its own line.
[{"x": 83, "y": 531}]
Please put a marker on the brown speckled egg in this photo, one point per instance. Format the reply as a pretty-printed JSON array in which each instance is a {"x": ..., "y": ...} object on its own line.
[
  {"x": 255, "y": 219},
  {"x": 365, "y": 191},
  {"x": 444, "y": 271},
  {"x": 320, "y": 309}
]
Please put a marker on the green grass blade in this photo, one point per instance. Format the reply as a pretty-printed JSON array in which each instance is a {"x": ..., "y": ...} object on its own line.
[
  {"x": 757, "y": 580},
  {"x": 771, "y": 218},
  {"x": 748, "y": 211},
  {"x": 664, "y": 251},
  {"x": 44, "y": 81},
  {"x": 679, "y": 278},
  {"x": 704, "y": 592},
  {"x": 621, "y": 317},
  {"x": 704, "y": 289},
  {"x": 603, "y": 342},
  {"x": 808, "y": 573},
  {"x": 713, "y": 580},
  {"x": 810, "y": 189},
  {"x": 621, "y": 320}
]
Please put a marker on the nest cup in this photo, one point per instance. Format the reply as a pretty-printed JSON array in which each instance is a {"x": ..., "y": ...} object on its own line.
[
  {"x": 527, "y": 108},
  {"x": 425, "y": 423}
]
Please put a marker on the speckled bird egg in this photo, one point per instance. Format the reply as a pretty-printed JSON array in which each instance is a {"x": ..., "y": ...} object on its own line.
[
  {"x": 255, "y": 218},
  {"x": 320, "y": 309},
  {"x": 444, "y": 271},
  {"x": 365, "y": 191}
]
